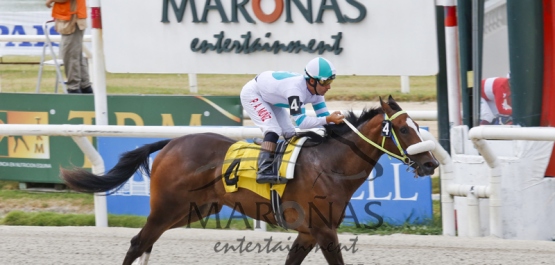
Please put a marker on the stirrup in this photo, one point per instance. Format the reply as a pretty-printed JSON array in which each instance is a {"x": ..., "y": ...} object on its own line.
[
  {"x": 266, "y": 172},
  {"x": 269, "y": 174},
  {"x": 271, "y": 179}
]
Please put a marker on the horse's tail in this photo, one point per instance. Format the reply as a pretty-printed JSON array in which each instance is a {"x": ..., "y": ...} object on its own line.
[{"x": 84, "y": 181}]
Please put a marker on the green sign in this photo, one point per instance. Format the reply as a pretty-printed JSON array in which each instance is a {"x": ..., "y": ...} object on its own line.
[{"x": 38, "y": 158}]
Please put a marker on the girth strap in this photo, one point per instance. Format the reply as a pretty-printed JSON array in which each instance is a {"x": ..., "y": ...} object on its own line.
[{"x": 275, "y": 200}]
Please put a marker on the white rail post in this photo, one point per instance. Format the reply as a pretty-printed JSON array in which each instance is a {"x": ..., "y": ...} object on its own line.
[
  {"x": 405, "y": 84},
  {"x": 452, "y": 55},
  {"x": 259, "y": 226},
  {"x": 473, "y": 213},
  {"x": 495, "y": 186},
  {"x": 447, "y": 200},
  {"x": 100, "y": 99},
  {"x": 100, "y": 205},
  {"x": 193, "y": 86}
]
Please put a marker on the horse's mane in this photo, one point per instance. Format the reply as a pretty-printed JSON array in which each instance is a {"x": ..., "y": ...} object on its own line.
[{"x": 333, "y": 130}]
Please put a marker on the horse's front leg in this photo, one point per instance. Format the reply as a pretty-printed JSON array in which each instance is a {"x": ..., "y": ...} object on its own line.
[
  {"x": 329, "y": 245},
  {"x": 143, "y": 260},
  {"x": 301, "y": 247}
]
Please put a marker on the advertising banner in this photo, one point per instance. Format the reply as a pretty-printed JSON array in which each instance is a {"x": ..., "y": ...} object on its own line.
[
  {"x": 38, "y": 158},
  {"x": 362, "y": 37},
  {"x": 28, "y": 23}
]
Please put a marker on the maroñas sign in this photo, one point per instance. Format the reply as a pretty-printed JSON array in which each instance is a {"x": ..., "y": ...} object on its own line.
[{"x": 363, "y": 37}]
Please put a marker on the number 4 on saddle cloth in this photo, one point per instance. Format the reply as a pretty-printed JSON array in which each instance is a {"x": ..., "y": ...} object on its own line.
[{"x": 240, "y": 166}]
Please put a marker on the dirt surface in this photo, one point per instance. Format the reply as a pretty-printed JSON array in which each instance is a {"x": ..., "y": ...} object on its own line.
[{"x": 93, "y": 245}]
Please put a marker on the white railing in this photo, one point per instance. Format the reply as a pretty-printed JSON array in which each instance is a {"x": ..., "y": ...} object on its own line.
[
  {"x": 80, "y": 132},
  {"x": 478, "y": 136},
  {"x": 420, "y": 115}
]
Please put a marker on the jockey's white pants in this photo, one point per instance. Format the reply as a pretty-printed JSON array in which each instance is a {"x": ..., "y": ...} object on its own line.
[{"x": 265, "y": 115}]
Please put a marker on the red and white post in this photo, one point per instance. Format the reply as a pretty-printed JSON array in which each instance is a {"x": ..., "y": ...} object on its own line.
[
  {"x": 452, "y": 55},
  {"x": 100, "y": 99}
]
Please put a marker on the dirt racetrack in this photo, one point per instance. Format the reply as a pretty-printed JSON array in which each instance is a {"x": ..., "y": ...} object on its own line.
[{"x": 93, "y": 245}]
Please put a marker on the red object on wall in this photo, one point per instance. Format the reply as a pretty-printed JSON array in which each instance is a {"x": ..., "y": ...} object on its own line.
[
  {"x": 548, "y": 103},
  {"x": 96, "y": 18}
]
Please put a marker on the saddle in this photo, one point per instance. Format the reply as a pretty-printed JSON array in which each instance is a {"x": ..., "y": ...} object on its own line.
[{"x": 240, "y": 166}]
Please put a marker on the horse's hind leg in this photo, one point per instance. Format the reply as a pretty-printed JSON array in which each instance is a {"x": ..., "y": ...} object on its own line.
[
  {"x": 141, "y": 244},
  {"x": 329, "y": 245},
  {"x": 161, "y": 219},
  {"x": 301, "y": 247},
  {"x": 144, "y": 240}
]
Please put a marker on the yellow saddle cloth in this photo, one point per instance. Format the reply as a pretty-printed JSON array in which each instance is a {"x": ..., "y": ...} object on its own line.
[{"x": 240, "y": 167}]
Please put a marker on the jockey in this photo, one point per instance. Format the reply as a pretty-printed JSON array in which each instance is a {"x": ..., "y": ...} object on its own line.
[
  {"x": 495, "y": 103},
  {"x": 267, "y": 97}
]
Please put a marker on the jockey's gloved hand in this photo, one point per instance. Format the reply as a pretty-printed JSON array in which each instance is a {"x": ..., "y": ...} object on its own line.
[
  {"x": 289, "y": 135},
  {"x": 336, "y": 117}
]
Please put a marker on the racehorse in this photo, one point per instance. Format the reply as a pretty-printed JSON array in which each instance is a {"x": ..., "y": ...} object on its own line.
[{"x": 188, "y": 169}]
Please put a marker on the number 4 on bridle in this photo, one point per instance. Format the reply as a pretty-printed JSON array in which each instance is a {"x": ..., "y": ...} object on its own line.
[{"x": 328, "y": 171}]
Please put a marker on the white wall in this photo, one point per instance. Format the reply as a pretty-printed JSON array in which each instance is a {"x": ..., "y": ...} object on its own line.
[{"x": 496, "y": 40}]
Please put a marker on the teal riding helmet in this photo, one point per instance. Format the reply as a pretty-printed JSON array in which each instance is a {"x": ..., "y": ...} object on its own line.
[{"x": 320, "y": 69}]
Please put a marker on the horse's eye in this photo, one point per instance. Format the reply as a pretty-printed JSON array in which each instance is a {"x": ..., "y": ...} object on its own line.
[{"x": 404, "y": 130}]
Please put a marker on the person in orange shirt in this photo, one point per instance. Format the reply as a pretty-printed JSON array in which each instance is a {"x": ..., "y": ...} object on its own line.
[{"x": 70, "y": 21}]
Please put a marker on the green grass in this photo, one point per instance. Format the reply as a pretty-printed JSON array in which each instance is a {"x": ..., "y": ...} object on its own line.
[
  {"x": 11, "y": 195},
  {"x": 8, "y": 185},
  {"x": 58, "y": 219},
  {"x": 18, "y": 78},
  {"x": 435, "y": 185},
  {"x": 85, "y": 199},
  {"x": 41, "y": 200},
  {"x": 47, "y": 219},
  {"x": 20, "y": 218}
]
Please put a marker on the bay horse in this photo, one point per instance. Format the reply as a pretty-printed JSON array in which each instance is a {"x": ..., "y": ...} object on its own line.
[{"x": 188, "y": 170}]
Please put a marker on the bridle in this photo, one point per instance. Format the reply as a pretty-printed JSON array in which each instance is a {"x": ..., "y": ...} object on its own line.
[{"x": 417, "y": 148}]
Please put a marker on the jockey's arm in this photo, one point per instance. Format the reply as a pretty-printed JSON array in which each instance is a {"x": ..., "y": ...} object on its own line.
[
  {"x": 336, "y": 117},
  {"x": 322, "y": 111},
  {"x": 322, "y": 116}
]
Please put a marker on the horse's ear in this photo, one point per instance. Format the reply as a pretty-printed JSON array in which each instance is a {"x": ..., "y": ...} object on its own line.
[
  {"x": 385, "y": 106},
  {"x": 390, "y": 100},
  {"x": 393, "y": 104}
]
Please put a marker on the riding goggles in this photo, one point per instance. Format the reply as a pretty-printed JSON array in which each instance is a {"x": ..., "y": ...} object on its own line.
[
  {"x": 323, "y": 81},
  {"x": 327, "y": 81}
]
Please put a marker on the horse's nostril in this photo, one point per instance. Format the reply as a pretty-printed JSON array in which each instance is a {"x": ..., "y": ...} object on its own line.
[{"x": 431, "y": 164}]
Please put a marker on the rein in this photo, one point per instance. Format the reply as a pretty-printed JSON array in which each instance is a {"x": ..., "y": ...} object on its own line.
[{"x": 404, "y": 156}]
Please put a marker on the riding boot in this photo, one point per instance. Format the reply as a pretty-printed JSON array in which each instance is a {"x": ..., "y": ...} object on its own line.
[{"x": 266, "y": 169}]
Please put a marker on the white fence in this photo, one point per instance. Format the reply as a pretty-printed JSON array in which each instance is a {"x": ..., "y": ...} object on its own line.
[
  {"x": 518, "y": 197},
  {"x": 419, "y": 115},
  {"x": 80, "y": 132}
]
